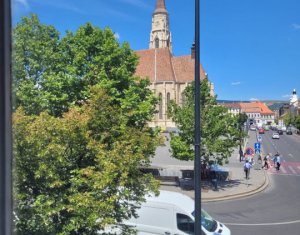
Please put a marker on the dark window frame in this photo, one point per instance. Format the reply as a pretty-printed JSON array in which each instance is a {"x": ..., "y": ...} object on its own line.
[
  {"x": 156, "y": 42},
  {"x": 5, "y": 120}
]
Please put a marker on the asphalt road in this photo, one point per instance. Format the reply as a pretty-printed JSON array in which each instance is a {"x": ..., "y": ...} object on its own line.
[{"x": 275, "y": 211}]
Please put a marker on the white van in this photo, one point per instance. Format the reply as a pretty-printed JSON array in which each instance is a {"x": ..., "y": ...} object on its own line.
[{"x": 172, "y": 213}]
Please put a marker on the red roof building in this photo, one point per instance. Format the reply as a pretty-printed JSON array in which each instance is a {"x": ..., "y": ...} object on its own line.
[{"x": 169, "y": 75}]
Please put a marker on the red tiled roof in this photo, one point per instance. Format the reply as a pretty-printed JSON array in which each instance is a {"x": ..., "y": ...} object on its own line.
[
  {"x": 159, "y": 65},
  {"x": 160, "y": 6},
  {"x": 256, "y": 107},
  {"x": 232, "y": 105}
]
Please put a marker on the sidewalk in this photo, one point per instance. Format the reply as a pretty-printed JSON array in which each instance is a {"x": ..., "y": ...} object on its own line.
[{"x": 236, "y": 187}]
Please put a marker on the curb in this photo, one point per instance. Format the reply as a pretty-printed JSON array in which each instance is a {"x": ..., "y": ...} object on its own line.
[{"x": 240, "y": 195}]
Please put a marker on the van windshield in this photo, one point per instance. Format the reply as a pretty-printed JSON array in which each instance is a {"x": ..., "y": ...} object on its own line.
[{"x": 207, "y": 221}]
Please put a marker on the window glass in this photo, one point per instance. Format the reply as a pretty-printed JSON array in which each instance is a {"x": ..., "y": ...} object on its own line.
[
  {"x": 168, "y": 100},
  {"x": 185, "y": 223},
  {"x": 160, "y": 106},
  {"x": 156, "y": 43}
]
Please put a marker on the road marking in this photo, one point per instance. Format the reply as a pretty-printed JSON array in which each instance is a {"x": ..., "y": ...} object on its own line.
[
  {"x": 291, "y": 155},
  {"x": 264, "y": 224},
  {"x": 276, "y": 173},
  {"x": 292, "y": 170},
  {"x": 283, "y": 170}
]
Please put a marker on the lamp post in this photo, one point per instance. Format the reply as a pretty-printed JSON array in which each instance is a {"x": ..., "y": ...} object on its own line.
[
  {"x": 5, "y": 120},
  {"x": 197, "y": 161}
]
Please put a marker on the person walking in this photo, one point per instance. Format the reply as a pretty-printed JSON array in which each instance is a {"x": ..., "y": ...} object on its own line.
[
  {"x": 274, "y": 160},
  {"x": 278, "y": 162},
  {"x": 247, "y": 167},
  {"x": 266, "y": 162},
  {"x": 259, "y": 159}
]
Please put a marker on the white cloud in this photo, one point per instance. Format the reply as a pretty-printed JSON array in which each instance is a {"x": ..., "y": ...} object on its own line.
[
  {"x": 254, "y": 99},
  {"x": 286, "y": 96},
  {"x": 236, "y": 83},
  {"x": 295, "y": 26},
  {"x": 117, "y": 36}
]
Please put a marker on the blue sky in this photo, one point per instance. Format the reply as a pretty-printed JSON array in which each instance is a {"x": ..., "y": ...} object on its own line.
[{"x": 249, "y": 48}]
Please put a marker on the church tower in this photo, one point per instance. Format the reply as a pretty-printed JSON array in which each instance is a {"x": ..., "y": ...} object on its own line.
[{"x": 160, "y": 35}]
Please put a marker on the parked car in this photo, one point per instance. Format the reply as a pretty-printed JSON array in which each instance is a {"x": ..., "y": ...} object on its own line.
[
  {"x": 280, "y": 132},
  {"x": 289, "y": 131},
  {"x": 252, "y": 128},
  {"x": 275, "y": 135}
]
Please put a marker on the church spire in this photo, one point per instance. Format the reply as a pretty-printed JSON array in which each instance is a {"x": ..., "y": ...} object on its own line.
[
  {"x": 160, "y": 35},
  {"x": 160, "y": 6}
]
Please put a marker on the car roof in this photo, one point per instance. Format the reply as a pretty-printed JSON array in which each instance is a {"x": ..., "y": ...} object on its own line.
[{"x": 173, "y": 198}]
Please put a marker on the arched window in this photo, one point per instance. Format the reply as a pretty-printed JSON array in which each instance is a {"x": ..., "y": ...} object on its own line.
[
  {"x": 160, "y": 114},
  {"x": 182, "y": 98},
  {"x": 156, "y": 43},
  {"x": 168, "y": 102}
]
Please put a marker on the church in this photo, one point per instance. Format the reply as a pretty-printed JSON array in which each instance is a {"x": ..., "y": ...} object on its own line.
[{"x": 169, "y": 75}]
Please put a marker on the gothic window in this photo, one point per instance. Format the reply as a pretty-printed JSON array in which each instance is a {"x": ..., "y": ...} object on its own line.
[
  {"x": 160, "y": 114},
  {"x": 156, "y": 43},
  {"x": 168, "y": 101}
]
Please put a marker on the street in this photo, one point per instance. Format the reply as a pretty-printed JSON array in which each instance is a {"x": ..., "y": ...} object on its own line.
[{"x": 275, "y": 210}]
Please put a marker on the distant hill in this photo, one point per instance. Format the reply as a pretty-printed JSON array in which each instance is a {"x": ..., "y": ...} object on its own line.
[
  {"x": 232, "y": 101},
  {"x": 272, "y": 104}
]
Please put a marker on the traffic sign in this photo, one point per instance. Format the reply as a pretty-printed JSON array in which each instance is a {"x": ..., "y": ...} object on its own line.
[
  {"x": 257, "y": 145},
  {"x": 257, "y": 151},
  {"x": 249, "y": 151}
]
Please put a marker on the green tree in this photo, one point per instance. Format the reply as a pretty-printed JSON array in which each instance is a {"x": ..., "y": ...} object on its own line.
[
  {"x": 297, "y": 122},
  {"x": 289, "y": 119},
  {"x": 81, "y": 172},
  {"x": 219, "y": 129},
  {"x": 52, "y": 74},
  {"x": 80, "y": 132}
]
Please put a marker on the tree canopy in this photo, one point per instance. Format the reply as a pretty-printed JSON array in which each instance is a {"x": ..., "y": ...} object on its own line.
[
  {"x": 80, "y": 130},
  {"x": 219, "y": 129},
  {"x": 52, "y": 74}
]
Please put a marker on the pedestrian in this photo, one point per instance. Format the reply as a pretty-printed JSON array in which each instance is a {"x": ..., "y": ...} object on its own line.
[
  {"x": 247, "y": 167},
  {"x": 214, "y": 181},
  {"x": 241, "y": 154},
  {"x": 259, "y": 159},
  {"x": 251, "y": 160},
  {"x": 278, "y": 162},
  {"x": 274, "y": 159},
  {"x": 266, "y": 161}
]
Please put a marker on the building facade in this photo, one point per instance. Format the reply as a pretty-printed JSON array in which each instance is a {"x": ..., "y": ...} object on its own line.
[
  {"x": 257, "y": 112},
  {"x": 294, "y": 108},
  {"x": 169, "y": 75}
]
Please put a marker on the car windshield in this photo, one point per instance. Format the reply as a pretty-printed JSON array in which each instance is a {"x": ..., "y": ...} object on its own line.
[{"x": 207, "y": 221}]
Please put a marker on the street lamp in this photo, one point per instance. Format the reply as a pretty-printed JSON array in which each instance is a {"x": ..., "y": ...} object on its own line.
[
  {"x": 197, "y": 161},
  {"x": 5, "y": 120}
]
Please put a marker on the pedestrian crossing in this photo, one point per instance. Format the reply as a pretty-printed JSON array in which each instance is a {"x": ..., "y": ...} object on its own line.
[{"x": 286, "y": 168}]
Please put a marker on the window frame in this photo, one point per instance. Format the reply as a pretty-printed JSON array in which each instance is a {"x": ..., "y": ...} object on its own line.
[{"x": 5, "y": 120}]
